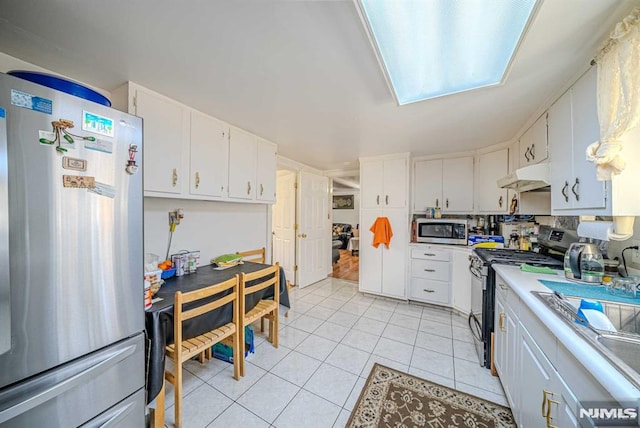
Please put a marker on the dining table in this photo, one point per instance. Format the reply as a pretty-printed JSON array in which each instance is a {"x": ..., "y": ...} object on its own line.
[{"x": 159, "y": 318}]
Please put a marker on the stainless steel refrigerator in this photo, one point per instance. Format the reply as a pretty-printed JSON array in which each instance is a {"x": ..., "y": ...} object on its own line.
[{"x": 71, "y": 261}]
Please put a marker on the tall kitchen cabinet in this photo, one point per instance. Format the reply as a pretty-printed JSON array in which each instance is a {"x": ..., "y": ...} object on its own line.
[
  {"x": 443, "y": 183},
  {"x": 384, "y": 190}
]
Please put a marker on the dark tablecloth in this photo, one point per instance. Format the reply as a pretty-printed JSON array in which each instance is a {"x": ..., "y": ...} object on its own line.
[{"x": 159, "y": 319}]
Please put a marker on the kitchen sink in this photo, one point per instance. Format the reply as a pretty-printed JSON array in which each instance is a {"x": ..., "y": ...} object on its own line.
[
  {"x": 621, "y": 347},
  {"x": 625, "y": 347}
]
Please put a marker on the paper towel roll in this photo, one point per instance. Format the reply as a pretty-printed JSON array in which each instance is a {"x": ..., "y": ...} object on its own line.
[
  {"x": 595, "y": 229},
  {"x": 606, "y": 230}
]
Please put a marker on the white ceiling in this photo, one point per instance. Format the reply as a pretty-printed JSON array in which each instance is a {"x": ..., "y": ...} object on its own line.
[{"x": 299, "y": 73}]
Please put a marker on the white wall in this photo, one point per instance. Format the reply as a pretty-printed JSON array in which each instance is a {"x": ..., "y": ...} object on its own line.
[
  {"x": 8, "y": 63},
  {"x": 214, "y": 228},
  {"x": 351, "y": 217}
]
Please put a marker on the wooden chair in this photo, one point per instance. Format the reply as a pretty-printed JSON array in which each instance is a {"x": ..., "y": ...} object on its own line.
[
  {"x": 261, "y": 280},
  {"x": 184, "y": 349},
  {"x": 257, "y": 256}
]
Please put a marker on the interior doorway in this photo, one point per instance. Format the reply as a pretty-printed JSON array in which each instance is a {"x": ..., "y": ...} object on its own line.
[
  {"x": 301, "y": 226},
  {"x": 345, "y": 226}
]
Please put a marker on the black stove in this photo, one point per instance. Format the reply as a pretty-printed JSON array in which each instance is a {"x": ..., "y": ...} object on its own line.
[
  {"x": 516, "y": 257},
  {"x": 553, "y": 243}
]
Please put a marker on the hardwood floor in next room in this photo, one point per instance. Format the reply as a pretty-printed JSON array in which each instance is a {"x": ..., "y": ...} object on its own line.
[{"x": 347, "y": 267}]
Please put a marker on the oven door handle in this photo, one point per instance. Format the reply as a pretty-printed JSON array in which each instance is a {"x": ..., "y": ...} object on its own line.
[
  {"x": 474, "y": 273},
  {"x": 477, "y": 331}
]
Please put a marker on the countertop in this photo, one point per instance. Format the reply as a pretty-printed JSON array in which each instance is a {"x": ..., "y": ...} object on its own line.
[{"x": 600, "y": 368}]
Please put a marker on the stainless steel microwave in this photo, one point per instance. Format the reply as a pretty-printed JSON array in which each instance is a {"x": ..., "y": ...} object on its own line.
[{"x": 441, "y": 231}]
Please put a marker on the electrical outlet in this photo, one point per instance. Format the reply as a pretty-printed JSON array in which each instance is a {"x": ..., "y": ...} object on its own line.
[
  {"x": 173, "y": 218},
  {"x": 635, "y": 254}
]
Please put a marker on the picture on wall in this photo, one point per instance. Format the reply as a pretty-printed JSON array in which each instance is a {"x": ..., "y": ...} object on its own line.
[{"x": 342, "y": 202}]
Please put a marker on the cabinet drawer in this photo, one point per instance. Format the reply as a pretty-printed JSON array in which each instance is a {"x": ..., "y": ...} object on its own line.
[
  {"x": 430, "y": 269},
  {"x": 430, "y": 254},
  {"x": 430, "y": 291}
]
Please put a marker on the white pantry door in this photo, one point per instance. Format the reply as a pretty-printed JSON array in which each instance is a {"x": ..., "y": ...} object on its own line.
[
  {"x": 315, "y": 230},
  {"x": 284, "y": 219}
]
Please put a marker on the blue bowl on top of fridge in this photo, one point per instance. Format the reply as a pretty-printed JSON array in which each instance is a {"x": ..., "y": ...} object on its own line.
[{"x": 62, "y": 85}]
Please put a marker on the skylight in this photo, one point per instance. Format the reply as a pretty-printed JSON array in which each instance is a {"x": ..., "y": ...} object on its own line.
[{"x": 431, "y": 48}]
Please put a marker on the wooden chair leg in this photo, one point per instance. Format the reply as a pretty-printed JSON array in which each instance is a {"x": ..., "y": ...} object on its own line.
[
  {"x": 241, "y": 349},
  {"x": 158, "y": 413},
  {"x": 202, "y": 358},
  {"x": 209, "y": 353},
  {"x": 274, "y": 324},
  {"x": 238, "y": 356},
  {"x": 262, "y": 325},
  {"x": 178, "y": 394}
]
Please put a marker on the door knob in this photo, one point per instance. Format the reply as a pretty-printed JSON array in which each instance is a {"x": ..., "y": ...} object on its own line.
[{"x": 302, "y": 235}]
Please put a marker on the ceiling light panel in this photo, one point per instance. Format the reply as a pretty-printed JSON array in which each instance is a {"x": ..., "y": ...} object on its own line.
[{"x": 431, "y": 48}]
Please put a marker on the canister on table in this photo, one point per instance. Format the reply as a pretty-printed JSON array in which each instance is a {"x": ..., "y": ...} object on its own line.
[{"x": 179, "y": 263}]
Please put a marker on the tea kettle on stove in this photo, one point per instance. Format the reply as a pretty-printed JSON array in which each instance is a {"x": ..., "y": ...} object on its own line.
[{"x": 583, "y": 262}]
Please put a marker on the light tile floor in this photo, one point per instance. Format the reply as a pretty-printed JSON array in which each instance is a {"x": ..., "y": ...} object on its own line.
[{"x": 328, "y": 345}]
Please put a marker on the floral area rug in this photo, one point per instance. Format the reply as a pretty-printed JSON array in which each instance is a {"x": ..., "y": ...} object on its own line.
[{"x": 391, "y": 398}]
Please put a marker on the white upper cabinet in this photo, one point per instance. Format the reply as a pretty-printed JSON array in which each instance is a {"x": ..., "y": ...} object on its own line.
[
  {"x": 243, "y": 161},
  {"x": 164, "y": 135},
  {"x": 573, "y": 125},
  {"x": 209, "y": 156},
  {"x": 266, "y": 173},
  {"x": 443, "y": 183},
  {"x": 189, "y": 155},
  {"x": 395, "y": 183},
  {"x": 491, "y": 167},
  {"x": 533, "y": 145},
  {"x": 427, "y": 184},
  {"x": 386, "y": 183},
  {"x": 457, "y": 184}
]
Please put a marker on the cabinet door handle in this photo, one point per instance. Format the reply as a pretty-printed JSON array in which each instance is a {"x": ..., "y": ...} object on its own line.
[
  {"x": 504, "y": 287},
  {"x": 431, "y": 254},
  {"x": 548, "y": 415},
  {"x": 526, "y": 154},
  {"x": 426, "y": 290},
  {"x": 573, "y": 189},
  {"x": 532, "y": 152},
  {"x": 386, "y": 199},
  {"x": 500, "y": 201},
  {"x": 261, "y": 189},
  {"x": 446, "y": 203},
  {"x": 544, "y": 401},
  {"x": 429, "y": 270},
  {"x": 174, "y": 177},
  {"x": 197, "y": 180},
  {"x": 501, "y": 321},
  {"x": 437, "y": 203},
  {"x": 378, "y": 200},
  {"x": 564, "y": 191},
  {"x": 248, "y": 187}
]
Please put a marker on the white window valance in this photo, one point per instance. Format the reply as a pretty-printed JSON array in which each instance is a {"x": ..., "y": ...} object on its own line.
[{"x": 618, "y": 95}]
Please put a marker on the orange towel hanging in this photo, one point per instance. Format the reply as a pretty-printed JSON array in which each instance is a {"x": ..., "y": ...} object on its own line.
[{"x": 382, "y": 232}]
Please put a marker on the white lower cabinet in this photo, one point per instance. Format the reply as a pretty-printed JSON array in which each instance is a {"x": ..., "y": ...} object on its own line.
[
  {"x": 382, "y": 269},
  {"x": 431, "y": 275},
  {"x": 542, "y": 381}
]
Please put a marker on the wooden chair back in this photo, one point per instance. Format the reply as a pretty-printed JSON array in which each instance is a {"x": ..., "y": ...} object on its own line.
[
  {"x": 184, "y": 349},
  {"x": 257, "y": 256},
  {"x": 266, "y": 308}
]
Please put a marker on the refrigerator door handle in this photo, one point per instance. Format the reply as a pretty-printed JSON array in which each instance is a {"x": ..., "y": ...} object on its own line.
[
  {"x": 5, "y": 287},
  {"x": 48, "y": 391}
]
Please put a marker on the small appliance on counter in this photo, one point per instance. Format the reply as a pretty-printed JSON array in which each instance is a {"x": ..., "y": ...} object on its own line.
[
  {"x": 442, "y": 231},
  {"x": 584, "y": 262}
]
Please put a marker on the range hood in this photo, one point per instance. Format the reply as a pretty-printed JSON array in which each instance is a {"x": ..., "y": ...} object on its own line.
[{"x": 532, "y": 177}]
